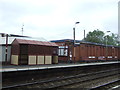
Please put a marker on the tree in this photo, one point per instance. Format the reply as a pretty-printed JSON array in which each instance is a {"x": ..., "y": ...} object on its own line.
[
  {"x": 96, "y": 36},
  {"x": 111, "y": 39}
]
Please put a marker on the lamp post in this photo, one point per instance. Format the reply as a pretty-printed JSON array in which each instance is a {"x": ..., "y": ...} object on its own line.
[
  {"x": 6, "y": 51},
  {"x": 106, "y": 46},
  {"x": 84, "y": 35},
  {"x": 22, "y": 28},
  {"x": 74, "y": 40}
]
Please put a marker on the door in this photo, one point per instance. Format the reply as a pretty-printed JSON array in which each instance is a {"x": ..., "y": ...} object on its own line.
[{"x": 23, "y": 55}]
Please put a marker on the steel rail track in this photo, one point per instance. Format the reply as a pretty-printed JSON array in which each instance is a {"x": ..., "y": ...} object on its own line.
[
  {"x": 64, "y": 78},
  {"x": 104, "y": 85},
  {"x": 82, "y": 81}
]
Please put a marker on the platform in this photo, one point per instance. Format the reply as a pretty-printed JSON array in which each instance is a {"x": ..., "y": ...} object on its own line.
[{"x": 11, "y": 68}]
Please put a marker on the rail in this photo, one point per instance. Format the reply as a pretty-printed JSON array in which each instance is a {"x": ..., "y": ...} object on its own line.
[
  {"x": 104, "y": 85},
  {"x": 82, "y": 76}
]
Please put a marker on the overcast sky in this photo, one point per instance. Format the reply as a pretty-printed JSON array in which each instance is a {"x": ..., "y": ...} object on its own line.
[{"x": 55, "y": 19}]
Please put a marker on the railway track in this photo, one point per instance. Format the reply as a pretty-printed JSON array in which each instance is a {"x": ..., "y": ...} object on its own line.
[
  {"x": 111, "y": 85},
  {"x": 88, "y": 80}
]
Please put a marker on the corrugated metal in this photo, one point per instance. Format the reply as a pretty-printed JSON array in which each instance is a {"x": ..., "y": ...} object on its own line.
[
  {"x": 3, "y": 40},
  {"x": 46, "y": 43},
  {"x": 39, "y": 43},
  {"x": 22, "y": 41},
  {"x": 53, "y": 44},
  {"x": 11, "y": 39}
]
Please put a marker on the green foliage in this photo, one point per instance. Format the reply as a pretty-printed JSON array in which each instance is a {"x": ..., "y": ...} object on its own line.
[
  {"x": 95, "y": 36},
  {"x": 110, "y": 39},
  {"x": 98, "y": 36}
]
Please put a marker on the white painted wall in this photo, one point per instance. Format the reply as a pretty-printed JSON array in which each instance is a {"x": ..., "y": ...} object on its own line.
[{"x": 2, "y": 53}]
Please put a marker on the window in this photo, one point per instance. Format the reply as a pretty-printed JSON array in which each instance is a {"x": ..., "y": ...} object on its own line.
[{"x": 63, "y": 51}]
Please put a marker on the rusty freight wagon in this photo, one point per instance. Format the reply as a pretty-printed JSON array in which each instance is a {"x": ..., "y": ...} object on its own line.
[
  {"x": 100, "y": 52},
  {"x": 64, "y": 51},
  {"x": 119, "y": 53},
  {"x": 81, "y": 51},
  {"x": 30, "y": 52},
  {"x": 110, "y": 52},
  {"x": 115, "y": 53},
  {"x": 85, "y": 51}
]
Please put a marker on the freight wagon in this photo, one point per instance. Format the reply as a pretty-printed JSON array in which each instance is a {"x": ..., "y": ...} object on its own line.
[{"x": 86, "y": 51}]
